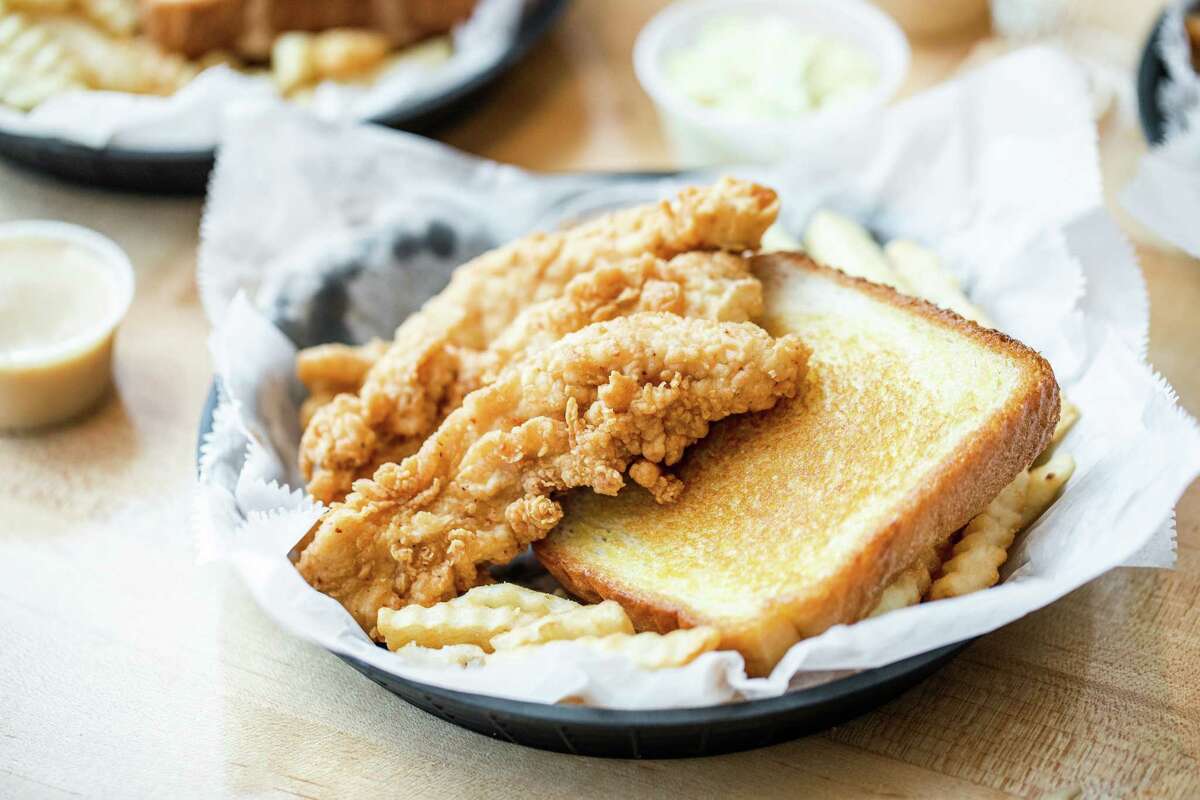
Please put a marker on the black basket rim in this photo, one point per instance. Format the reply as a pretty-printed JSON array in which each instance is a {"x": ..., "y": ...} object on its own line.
[
  {"x": 1151, "y": 72},
  {"x": 663, "y": 719}
]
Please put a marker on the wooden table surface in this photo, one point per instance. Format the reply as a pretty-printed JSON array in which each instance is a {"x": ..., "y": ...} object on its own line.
[{"x": 126, "y": 671}]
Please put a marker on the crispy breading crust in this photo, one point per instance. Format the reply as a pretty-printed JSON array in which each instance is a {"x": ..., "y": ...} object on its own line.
[
  {"x": 580, "y": 412},
  {"x": 960, "y": 488},
  {"x": 487, "y": 293},
  {"x": 427, "y": 374}
]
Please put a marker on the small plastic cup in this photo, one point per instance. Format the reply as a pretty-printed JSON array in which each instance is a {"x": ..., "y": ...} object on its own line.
[
  {"x": 45, "y": 384},
  {"x": 703, "y": 136}
]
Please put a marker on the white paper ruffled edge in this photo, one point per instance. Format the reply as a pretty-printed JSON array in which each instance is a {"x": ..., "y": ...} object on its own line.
[{"x": 1132, "y": 432}]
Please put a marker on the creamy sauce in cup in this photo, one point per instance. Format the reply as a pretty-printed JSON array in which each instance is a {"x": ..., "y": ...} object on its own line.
[
  {"x": 768, "y": 68},
  {"x": 63, "y": 290},
  {"x": 50, "y": 293}
]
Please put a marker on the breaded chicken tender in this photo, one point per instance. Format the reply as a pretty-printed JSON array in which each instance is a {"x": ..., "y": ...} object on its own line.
[
  {"x": 448, "y": 336},
  {"x": 340, "y": 445},
  {"x": 332, "y": 369},
  {"x": 716, "y": 286},
  {"x": 634, "y": 391}
]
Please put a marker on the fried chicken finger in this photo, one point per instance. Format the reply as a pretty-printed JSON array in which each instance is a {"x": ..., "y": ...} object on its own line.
[
  {"x": 340, "y": 444},
  {"x": 485, "y": 295}
]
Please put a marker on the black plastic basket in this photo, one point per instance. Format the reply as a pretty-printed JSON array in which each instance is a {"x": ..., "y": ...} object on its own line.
[
  {"x": 666, "y": 733},
  {"x": 1150, "y": 75},
  {"x": 187, "y": 171}
]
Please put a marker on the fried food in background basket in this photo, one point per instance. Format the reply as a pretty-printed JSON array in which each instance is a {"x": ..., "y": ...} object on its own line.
[
  {"x": 248, "y": 27},
  {"x": 156, "y": 47}
]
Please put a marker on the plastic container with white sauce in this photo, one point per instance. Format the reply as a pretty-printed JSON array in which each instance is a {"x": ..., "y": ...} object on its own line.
[
  {"x": 64, "y": 290},
  {"x": 770, "y": 50}
]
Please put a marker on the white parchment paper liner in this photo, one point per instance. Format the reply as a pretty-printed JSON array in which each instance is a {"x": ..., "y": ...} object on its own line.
[
  {"x": 997, "y": 170},
  {"x": 191, "y": 118}
]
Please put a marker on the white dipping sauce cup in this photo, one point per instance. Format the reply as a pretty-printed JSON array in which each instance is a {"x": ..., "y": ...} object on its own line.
[
  {"x": 62, "y": 379},
  {"x": 703, "y": 136}
]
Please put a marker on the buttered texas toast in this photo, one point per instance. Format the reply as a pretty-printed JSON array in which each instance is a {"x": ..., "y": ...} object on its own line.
[{"x": 793, "y": 520}]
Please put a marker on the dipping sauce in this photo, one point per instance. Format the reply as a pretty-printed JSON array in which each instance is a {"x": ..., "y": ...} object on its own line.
[
  {"x": 768, "y": 68},
  {"x": 50, "y": 293},
  {"x": 63, "y": 290}
]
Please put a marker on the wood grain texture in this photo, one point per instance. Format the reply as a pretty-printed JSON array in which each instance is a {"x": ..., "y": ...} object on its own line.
[{"x": 126, "y": 671}]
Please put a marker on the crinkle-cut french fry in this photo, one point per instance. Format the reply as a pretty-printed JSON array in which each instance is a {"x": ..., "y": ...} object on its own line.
[
  {"x": 445, "y": 624},
  {"x": 346, "y": 52},
  {"x": 598, "y": 620},
  {"x": 510, "y": 595},
  {"x": 926, "y": 277},
  {"x": 300, "y": 59},
  {"x": 651, "y": 650},
  {"x": 292, "y": 62},
  {"x": 983, "y": 548},
  {"x": 906, "y": 590},
  {"x": 452, "y": 655},
  {"x": 33, "y": 66},
  {"x": 910, "y": 585},
  {"x": 119, "y": 65},
  {"x": 657, "y": 650},
  {"x": 842, "y": 243},
  {"x": 977, "y": 556},
  {"x": 648, "y": 650},
  {"x": 1067, "y": 418},
  {"x": 118, "y": 17},
  {"x": 146, "y": 70},
  {"x": 1045, "y": 482},
  {"x": 24, "y": 91},
  {"x": 430, "y": 52}
]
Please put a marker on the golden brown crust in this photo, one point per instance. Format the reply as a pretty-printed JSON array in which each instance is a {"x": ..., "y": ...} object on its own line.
[
  {"x": 442, "y": 352},
  {"x": 192, "y": 27},
  {"x": 960, "y": 487}
]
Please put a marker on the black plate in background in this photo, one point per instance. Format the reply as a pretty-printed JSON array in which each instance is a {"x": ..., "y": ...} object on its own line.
[
  {"x": 1150, "y": 75},
  {"x": 186, "y": 171},
  {"x": 666, "y": 733}
]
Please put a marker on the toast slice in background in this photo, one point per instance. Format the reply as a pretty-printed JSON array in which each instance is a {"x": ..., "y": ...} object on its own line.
[
  {"x": 793, "y": 520},
  {"x": 193, "y": 27},
  {"x": 248, "y": 27}
]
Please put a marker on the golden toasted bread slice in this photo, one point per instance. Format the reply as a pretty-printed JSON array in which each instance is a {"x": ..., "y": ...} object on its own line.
[
  {"x": 794, "y": 519},
  {"x": 193, "y": 27}
]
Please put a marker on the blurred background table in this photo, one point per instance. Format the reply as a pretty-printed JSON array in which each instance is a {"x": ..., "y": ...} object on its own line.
[{"x": 125, "y": 670}]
